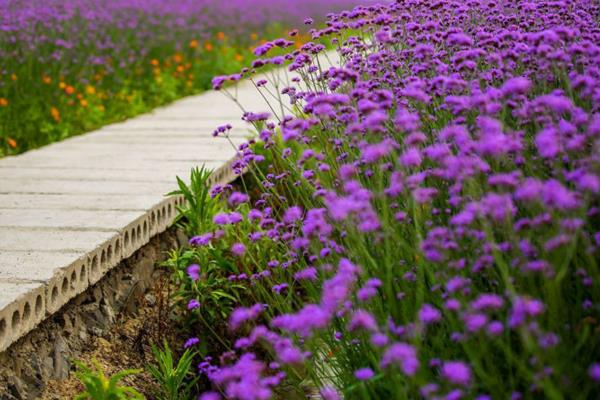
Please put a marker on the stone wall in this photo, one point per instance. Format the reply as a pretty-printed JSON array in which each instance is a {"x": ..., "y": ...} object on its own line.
[{"x": 47, "y": 352}]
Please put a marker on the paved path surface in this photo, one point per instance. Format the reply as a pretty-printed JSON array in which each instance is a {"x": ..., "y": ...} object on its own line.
[{"x": 71, "y": 211}]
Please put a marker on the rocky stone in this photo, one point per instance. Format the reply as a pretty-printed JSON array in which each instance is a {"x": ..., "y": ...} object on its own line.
[
  {"x": 61, "y": 359},
  {"x": 16, "y": 388},
  {"x": 150, "y": 299}
]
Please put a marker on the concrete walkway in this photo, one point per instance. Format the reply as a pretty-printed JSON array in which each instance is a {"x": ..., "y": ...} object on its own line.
[{"x": 71, "y": 211}]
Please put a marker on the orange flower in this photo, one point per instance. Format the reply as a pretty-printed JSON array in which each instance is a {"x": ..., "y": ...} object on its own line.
[
  {"x": 254, "y": 36},
  {"x": 154, "y": 62},
  {"x": 177, "y": 58},
  {"x": 90, "y": 89},
  {"x": 180, "y": 68},
  {"x": 62, "y": 85},
  {"x": 221, "y": 35},
  {"x": 55, "y": 114},
  {"x": 12, "y": 143},
  {"x": 70, "y": 89},
  {"x": 13, "y": 77},
  {"x": 46, "y": 79},
  {"x": 208, "y": 46},
  {"x": 83, "y": 102},
  {"x": 239, "y": 58},
  {"x": 193, "y": 44},
  {"x": 3, "y": 102}
]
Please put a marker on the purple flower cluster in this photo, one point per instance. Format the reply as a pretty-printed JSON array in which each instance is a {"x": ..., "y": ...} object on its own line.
[
  {"x": 44, "y": 28},
  {"x": 431, "y": 213}
]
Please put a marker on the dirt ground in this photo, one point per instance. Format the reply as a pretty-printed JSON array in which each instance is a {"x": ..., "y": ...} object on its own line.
[{"x": 127, "y": 345}]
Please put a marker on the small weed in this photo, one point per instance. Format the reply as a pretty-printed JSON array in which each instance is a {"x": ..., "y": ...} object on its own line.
[
  {"x": 200, "y": 207},
  {"x": 176, "y": 381},
  {"x": 98, "y": 386}
]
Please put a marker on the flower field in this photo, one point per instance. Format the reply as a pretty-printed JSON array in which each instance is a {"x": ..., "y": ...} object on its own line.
[
  {"x": 425, "y": 222},
  {"x": 68, "y": 67}
]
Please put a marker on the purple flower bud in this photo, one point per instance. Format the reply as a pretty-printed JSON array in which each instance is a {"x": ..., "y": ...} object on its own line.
[
  {"x": 191, "y": 342},
  {"x": 238, "y": 249},
  {"x": 429, "y": 314},
  {"x": 404, "y": 355},
  {"x": 193, "y": 272},
  {"x": 594, "y": 372},
  {"x": 456, "y": 372},
  {"x": 193, "y": 304},
  {"x": 329, "y": 393},
  {"x": 364, "y": 374}
]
